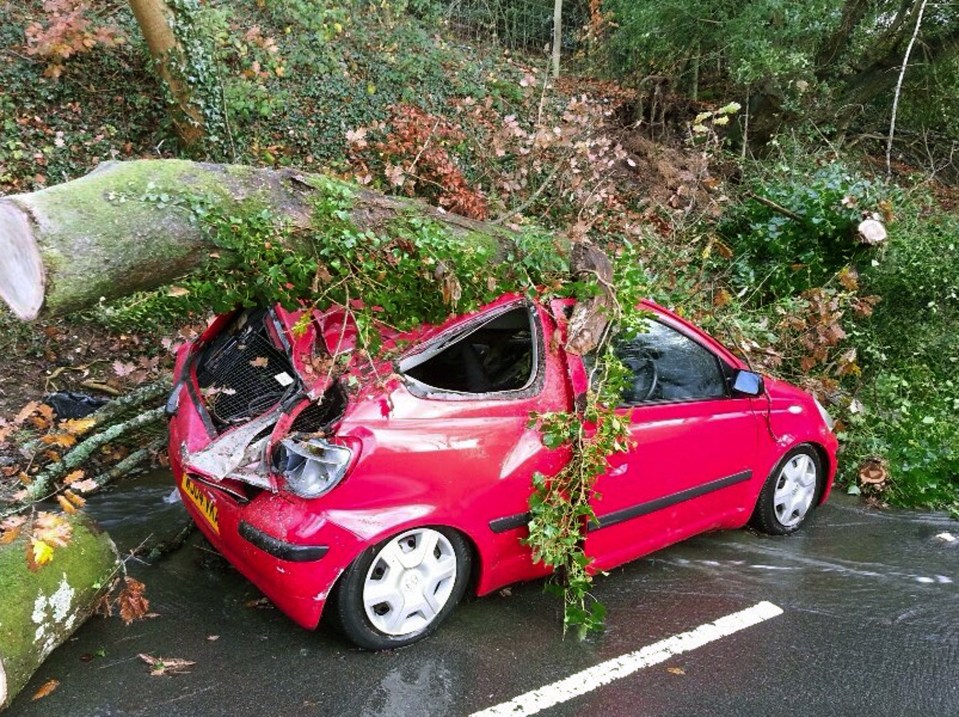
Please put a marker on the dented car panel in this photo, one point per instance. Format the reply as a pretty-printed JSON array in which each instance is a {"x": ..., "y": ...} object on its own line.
[{"x": 297, "y": 454}]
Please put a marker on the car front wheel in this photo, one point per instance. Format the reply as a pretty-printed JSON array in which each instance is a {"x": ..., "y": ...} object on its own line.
[
  {"x": 789, "y": 493},
  {"x": 399, "y": 591}
]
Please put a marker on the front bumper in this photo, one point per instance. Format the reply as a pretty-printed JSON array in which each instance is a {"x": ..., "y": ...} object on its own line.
[{"x": 282, "y": 544}]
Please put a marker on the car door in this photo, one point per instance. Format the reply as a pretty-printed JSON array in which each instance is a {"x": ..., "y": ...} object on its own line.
[{"x": 693, "y": 445}]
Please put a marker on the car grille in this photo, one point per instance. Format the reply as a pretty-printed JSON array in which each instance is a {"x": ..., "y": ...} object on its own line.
[
  {"x": 318, "y": 416},
  {"x": 241, "y": 373}
]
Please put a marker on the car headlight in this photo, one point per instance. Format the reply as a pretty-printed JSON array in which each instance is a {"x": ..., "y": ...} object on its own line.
[
  {"x": 827, "y": 419},
  {"x": 311, "y": 467}
]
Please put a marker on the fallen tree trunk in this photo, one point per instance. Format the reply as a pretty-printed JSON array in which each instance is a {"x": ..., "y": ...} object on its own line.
[
  {"x": 41, "y": 608},
  {"x": 134, "y": 226}
]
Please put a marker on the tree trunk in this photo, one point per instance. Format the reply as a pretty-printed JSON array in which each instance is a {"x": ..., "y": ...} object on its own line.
[
  {"x": 156, "y": 22},
  {"x": 557, "y": 34},
  {"x": 129, "y": 226},
  {"x": 40, "y": 609}
]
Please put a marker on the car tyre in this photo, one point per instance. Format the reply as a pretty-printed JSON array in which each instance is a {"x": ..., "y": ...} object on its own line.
[
  {"x": 790, "y": 492},
  {"x": 402, "y": 589}
]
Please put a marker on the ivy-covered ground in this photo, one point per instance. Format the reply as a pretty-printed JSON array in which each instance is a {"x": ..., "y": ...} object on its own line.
[{"x": 762, "y": 252}]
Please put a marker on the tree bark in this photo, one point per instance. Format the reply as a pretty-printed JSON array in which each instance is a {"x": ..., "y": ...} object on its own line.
[
  {"x": 853, "y": 13},
  {"x": 156, "y": 23},
  {"x": 129, "y": 226},
  {"x": 40, "y": 609},
  {"x": 557, "y": 35}
]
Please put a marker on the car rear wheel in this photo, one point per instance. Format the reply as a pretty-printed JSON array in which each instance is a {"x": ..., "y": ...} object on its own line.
[
  {"x": 399, "y": 591},
  {"x": 789, "y": 493}
]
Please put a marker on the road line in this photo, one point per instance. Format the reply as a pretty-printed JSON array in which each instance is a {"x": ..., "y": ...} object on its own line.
[{"x": 602, "y": 674}]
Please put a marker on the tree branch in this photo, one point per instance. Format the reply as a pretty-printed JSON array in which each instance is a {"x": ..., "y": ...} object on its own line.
[{"x": 895, "y": 99}]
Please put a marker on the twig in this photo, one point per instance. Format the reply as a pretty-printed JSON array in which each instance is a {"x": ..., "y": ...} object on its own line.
[
  {"x": 526, "y": 205},
  {"x": 542, "y": 97},
  {"x": 895, "y": 98},
  {"x": 423, "y": 148},
  {"x": 775, "y": 207},
  {"x": 57, "y": 372},
  {"x": 7, "y": 51},
  {"x": 102, "y": 387}
]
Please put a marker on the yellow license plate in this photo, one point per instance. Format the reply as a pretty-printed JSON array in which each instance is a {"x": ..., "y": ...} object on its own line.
[{"x": 201, "y": 500}]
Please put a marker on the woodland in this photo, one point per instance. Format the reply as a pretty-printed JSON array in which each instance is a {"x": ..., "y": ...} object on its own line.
[{"x": 782, "y": 173}]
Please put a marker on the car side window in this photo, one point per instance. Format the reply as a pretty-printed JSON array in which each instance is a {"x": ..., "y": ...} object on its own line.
[{"x": 666, "y": 365}]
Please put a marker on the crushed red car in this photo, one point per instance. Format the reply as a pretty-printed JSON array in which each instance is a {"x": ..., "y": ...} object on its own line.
[{"x": 386, "y": 488}]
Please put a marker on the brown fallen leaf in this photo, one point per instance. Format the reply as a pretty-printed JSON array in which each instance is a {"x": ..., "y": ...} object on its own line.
[
  {"x": 262, "y": 603},
  {"x": 85, "y": 486},
  {"x": 74, "y": 499},
  {"x": 26, "y": 412},
  {"x": 45, "y": 689},
  {"x": 78, "y": 426},
  {"x": 52, "y": 529},
  {"x": 160, "y": 666},
  {"x": 133, "y": 605},
  {"x": 67, "y": 507},
  {"x": 676, "y": 670},
  {"x": 10, "y": 528},
  {"x": 63, "y": 440}
]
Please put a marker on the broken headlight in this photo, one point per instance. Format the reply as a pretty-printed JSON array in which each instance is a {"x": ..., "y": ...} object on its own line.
[{"x": 311, "y": 467}]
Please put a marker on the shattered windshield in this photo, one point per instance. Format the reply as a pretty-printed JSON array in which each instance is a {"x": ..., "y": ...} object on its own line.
[{"x": 494, "y": 355}]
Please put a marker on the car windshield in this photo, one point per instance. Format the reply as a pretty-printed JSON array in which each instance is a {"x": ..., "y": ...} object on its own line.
[{"x": 492, "y": 354}]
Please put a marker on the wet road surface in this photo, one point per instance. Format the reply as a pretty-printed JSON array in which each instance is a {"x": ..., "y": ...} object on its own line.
[{"x": 869, "y": 626}]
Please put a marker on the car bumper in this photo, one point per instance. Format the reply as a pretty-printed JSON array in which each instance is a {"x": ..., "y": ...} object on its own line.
[{"x": 283, "y": 545}]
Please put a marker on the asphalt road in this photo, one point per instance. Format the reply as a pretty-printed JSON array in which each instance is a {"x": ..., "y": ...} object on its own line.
[{"x": 859, "y": 616}]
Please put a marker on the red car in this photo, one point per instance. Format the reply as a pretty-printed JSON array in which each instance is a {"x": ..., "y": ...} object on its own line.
[{"x": 390, "y": 487}]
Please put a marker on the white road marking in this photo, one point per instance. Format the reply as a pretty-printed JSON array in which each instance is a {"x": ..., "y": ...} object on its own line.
[{"x": 619, "y": 667}]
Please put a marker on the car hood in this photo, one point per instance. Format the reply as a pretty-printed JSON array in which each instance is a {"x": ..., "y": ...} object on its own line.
[{"x": 258, "y": 377}]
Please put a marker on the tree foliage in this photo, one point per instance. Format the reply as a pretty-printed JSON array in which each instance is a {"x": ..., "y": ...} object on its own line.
[{"x": 831, "y": 60}]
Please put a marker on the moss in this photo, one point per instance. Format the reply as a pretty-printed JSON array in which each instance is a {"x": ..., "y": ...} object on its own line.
[{"x": 61, "y": 595}]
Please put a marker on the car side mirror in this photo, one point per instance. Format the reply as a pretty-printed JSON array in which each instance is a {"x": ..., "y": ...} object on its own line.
[{"x": 748, "y": 383}]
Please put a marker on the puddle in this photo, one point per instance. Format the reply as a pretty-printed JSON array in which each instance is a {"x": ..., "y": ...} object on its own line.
[{"x": 137, "y": 509}]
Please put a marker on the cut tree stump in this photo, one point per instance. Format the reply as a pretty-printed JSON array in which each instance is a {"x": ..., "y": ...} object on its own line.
[{"x": 40, "y": 609}]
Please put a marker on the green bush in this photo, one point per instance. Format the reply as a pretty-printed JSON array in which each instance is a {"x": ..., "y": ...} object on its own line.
[
  {"x": 909, "y": 351},
  {"x": 795, "y": 228},
  {"x": 908, "y": 421}
]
